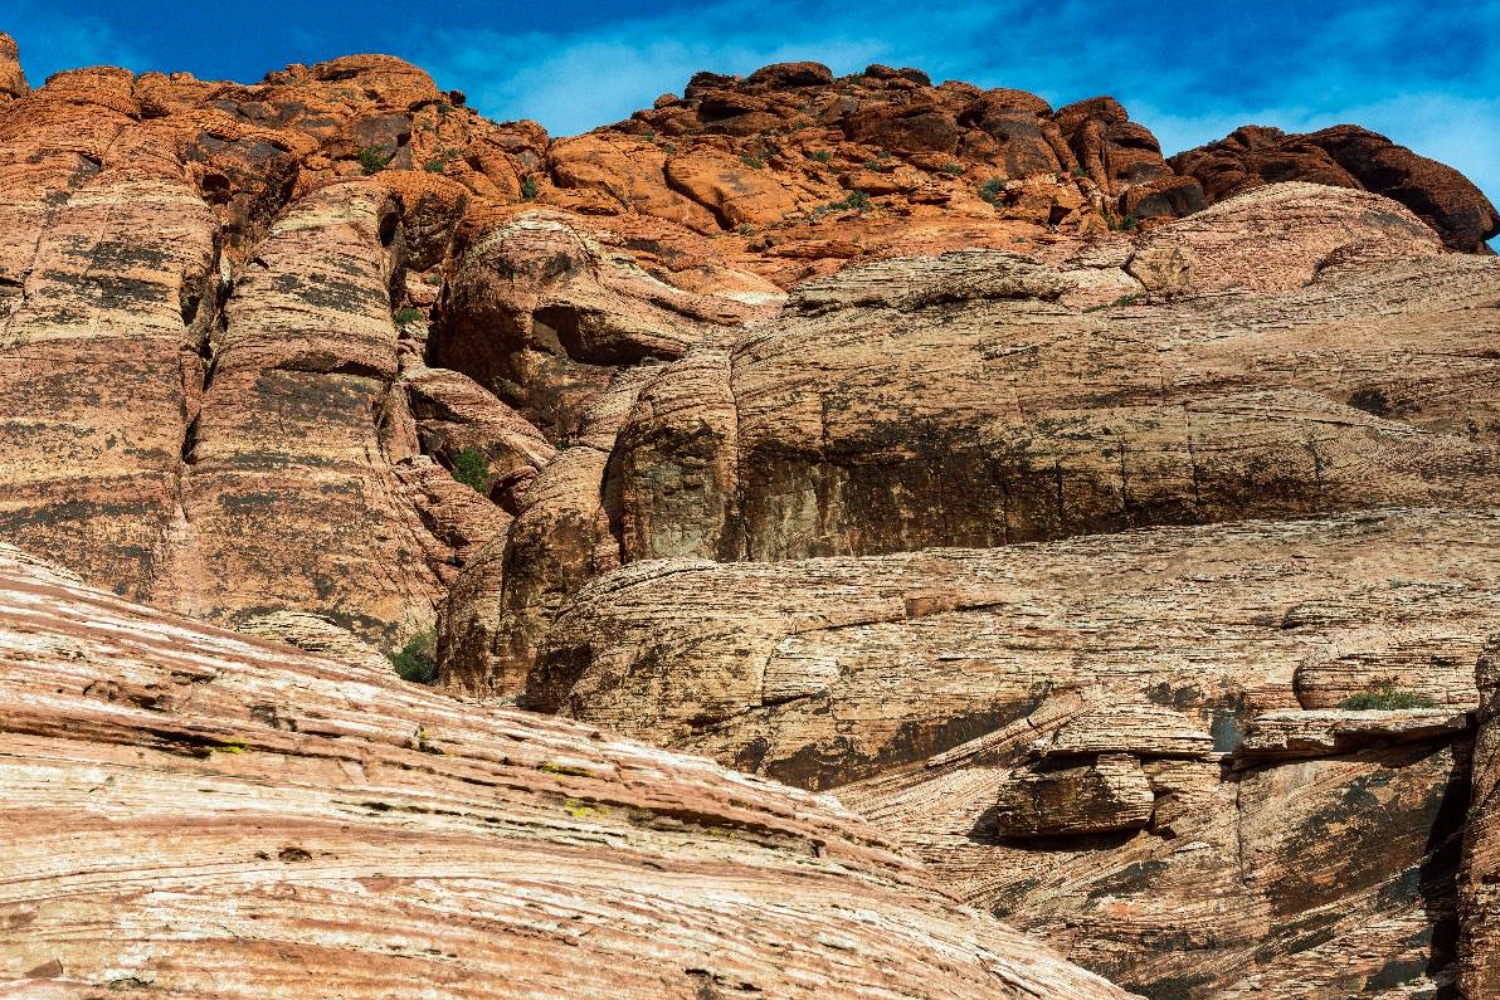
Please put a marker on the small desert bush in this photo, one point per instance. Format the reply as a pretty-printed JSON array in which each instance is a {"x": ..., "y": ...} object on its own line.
[
  {"x": 1387, "y": 697},
  {"x": 417, "y": 660},
  {"x": 472, "y": 468},
  {"x": 372, "y": 160}
]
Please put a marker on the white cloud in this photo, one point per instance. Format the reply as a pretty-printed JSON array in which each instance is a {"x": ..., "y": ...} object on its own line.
[
  {"x": 574, "y": 85},
  {"x": 52, "y": 41}
]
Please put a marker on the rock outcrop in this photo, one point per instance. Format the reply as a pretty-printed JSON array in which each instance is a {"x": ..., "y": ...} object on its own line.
[
  {"x": 1116, "y": 535},
  {"x": 1102, "y": 739},
  {"x": 1294, "y": 351},
  {"x": 241, "y": 816},
  {"x": 1347, "y": 156},
  {"x": 540, "y": 314},
  {"x": 12, "y": 79}
]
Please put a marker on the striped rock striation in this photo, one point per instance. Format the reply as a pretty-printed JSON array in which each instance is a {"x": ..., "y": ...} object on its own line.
[
  {"x": 1295, "y": 351},
  {"x": 196, "y": 813},
  {"x": 1113, "y": 533}
]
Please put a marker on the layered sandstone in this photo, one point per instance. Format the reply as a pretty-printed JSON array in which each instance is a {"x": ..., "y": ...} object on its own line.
[
  {"x": 1103, "y": 739},
  {"x": 1478, "y": 899},
  {"x": 12, "y": 79},
  {"x": 1294, "y": 351},
  {"x": 1065, "y": 509},
  {"x": 193, "y": 812},
  {"x": 983, "y": 398},
  {"x": 153, "y": 220}
]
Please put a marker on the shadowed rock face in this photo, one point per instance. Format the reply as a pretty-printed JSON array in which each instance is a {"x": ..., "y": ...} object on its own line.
[
  {"x": 1347, "y": 156},
  {"x": 1478, "y": 901},
  {"x": 542, "y": 316},
  {"x": 321, "y": 827}
]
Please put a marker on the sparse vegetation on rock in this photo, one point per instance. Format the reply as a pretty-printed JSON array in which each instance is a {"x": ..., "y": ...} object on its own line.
[
  {"x": 1385, "y": 698},
  {"x": 416, "y": 660}
]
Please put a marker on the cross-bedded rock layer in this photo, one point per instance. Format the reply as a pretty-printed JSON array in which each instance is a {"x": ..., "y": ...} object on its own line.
[
  {"x": 1294, "y": 351},
  {"x": 195, "y": 813}
]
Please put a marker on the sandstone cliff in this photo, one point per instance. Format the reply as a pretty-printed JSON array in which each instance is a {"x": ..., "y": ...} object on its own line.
[{"x": 1113, "y": 535}]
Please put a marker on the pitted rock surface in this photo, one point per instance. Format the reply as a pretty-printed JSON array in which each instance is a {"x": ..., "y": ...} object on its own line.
[{"x": 1063, "y": 508}]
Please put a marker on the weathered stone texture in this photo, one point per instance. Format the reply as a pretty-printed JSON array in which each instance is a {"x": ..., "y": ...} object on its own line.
[
  {"x": 191, "y": 811},
  {"x": 926, "y": 687}
]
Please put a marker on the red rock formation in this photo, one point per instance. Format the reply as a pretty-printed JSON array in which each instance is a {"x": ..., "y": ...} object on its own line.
[
  {"x": 12, "y": 79},
  {"x": 193, "y": 813},
  {"x": 247, "y": 332},
  {"x": 985, "y": 398},
  {"x": 1347, "y": 156}
]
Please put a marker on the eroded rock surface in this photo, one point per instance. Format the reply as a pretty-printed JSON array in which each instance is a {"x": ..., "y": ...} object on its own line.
[
  {"x": 1316, "y": 352},
  {"x": 1347, "y": 156},
  {"x": 675, "y": 426},
  {"x": 926, "y": 688},
  {"x": 320, "y": 826}
]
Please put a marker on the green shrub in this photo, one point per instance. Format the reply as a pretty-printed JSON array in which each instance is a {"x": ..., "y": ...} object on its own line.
[
  {"x": 990, "y": 190},
  {"x": 857, "y": 200},
  {"x": 821, "y": 155},
  {"x": 472, "y": 468},
  {"x": 528, "y": 189},
  {"x": 372, "y": 160},
  {"x": 876, "y": 166},
  {"x": 753, "y": 162},
  {"x": 954, "y": 169},
  {"x": 417, "y": 660},
  {"x": 1124, "y": 225},
  {"x": 440, "y": 161},
  {"x": 1387, "y": 697},
  {"x": 408, "y": 315}
]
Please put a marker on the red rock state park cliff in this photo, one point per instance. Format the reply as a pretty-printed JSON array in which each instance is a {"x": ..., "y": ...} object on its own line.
[{"x": 1096, "y": 541}]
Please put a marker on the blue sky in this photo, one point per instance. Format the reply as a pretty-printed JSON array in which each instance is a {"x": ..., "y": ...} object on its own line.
[{"x": 1424, "y": 73}]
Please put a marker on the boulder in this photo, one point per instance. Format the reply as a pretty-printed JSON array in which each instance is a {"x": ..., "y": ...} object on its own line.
[
  {"x": 12, "y": 79},
  {"x": 1108, "y": 794},
  {"x": 1347, "y": 156},
  {"x": 792, "y": 74}
]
